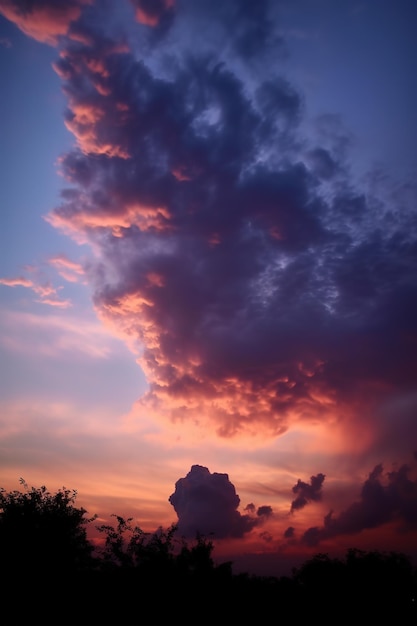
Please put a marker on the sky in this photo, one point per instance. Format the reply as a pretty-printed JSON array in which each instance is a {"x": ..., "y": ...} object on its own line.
[{"x": 208, "y": 285}]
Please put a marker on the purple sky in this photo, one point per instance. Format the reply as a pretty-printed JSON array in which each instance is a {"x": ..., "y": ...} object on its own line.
[{"x": 208, "y": 266}]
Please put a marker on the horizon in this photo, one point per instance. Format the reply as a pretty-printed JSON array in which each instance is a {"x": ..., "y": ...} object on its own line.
[{"x": 208, "y": 286}]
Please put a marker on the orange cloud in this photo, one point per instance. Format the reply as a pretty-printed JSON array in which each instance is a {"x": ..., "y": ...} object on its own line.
[
  {"x": 77, "y": 224},
  {"x": 84, "y": 126}
]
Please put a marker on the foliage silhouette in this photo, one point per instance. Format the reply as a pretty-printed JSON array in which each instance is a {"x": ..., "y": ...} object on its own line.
[
  {"x": 160, "y": 578},
  {"x": 129, "y": 546},
  {"x": 40, "y": 530},
  {"x": 372, "y": 587}
]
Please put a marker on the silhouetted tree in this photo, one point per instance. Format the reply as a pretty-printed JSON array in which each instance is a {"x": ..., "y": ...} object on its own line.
[
  {"x": 160, "y": 578},
  {"x": 365, "y": 588},
  {"x": 41, "y": 531},
  {"x": 128, "y": 546},
  {"x": 45, "y": 556},
  {"x": 383, "y": 583},
  {"x": 196, "y": 559}
]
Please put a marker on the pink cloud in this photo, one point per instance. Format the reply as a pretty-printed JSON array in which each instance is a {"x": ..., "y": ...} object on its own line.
[
  {"x": 46, "y": 20},
  {"x": 17, "y": 282},
  {"x": 55, "y": 333},
  {"x": 70, "y": 270},
  {"x": 46, "y": 292},
  {"x": 84, "y": 122},
  {"x": 56, "y": 302},
  {"x": 151, "y": 12}
]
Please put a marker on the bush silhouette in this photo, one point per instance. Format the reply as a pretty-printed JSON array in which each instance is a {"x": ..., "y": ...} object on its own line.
[
  {"x": 159, "y": 578},
  {"x": 41, "y": 531}
]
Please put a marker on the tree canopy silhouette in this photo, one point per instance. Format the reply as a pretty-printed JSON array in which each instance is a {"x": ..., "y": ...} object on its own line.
[
  {"x": 43, "y": 531},
  {"x": 160, "y": 578}
]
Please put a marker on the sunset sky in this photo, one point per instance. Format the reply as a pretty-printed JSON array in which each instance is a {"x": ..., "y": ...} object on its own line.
[{"x": 208, "y": 281}]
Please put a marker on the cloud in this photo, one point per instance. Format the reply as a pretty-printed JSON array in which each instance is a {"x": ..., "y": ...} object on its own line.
[
  {"x": 55, "y": 333},
  {"x": 322, "y": 163},
  {"x": 289, "y": 532},
  {"x": 19, "y": 281},
  {"x": 307, "y": 492},
  {"x": 44, "y": 20},
  {"x": 264, "y": 511},
  {"x": 72, "y": 271},
  {"x": 385, "y": 497},
  {"x": 152, "y": 12},
  {"x": 46, "y": 292},
  {"x": 266, "y": 536},
  {"x": 264, "y": 285},
  {"x": 207, "y": 504}
]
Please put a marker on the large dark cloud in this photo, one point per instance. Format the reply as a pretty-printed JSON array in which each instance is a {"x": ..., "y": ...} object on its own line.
[
  {"x": 263, "y": 286},
  {"x": 306, "y": 492},
  {"x": 385, "y": 497},
  {"x": 206, "y": 504}
]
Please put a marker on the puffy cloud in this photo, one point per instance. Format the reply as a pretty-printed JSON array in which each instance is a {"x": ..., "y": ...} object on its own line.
[
  {"x": 307, "y": 492},
  {"x": 206, "y": 503},
  {"x": 264, "y": 511},
  {"x": 385, "y": 497}
]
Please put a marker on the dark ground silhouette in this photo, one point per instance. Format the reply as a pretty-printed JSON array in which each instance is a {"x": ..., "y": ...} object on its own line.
[{"x": 53, "y": 575}]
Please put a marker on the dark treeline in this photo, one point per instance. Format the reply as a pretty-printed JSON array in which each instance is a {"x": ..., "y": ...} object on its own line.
[{"x": 52, "y": 574}]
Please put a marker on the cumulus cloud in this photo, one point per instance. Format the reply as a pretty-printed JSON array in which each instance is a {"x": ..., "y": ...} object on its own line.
[
  {"x": 264, "y": 287},
  {"x": 206, "y": 503},
  {"x": 385, "y": 497},
  {"x": 264, "y": 511},
  {"x": 307, "y": 492}
]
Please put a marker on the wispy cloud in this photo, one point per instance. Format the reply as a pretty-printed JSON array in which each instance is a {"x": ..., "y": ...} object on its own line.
[
  {"x": 5, "y": 42},
  {"x": 47, "y": 293},
  {"x": 71, "y": 271},
  {"x": 54, "y": 333}
]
